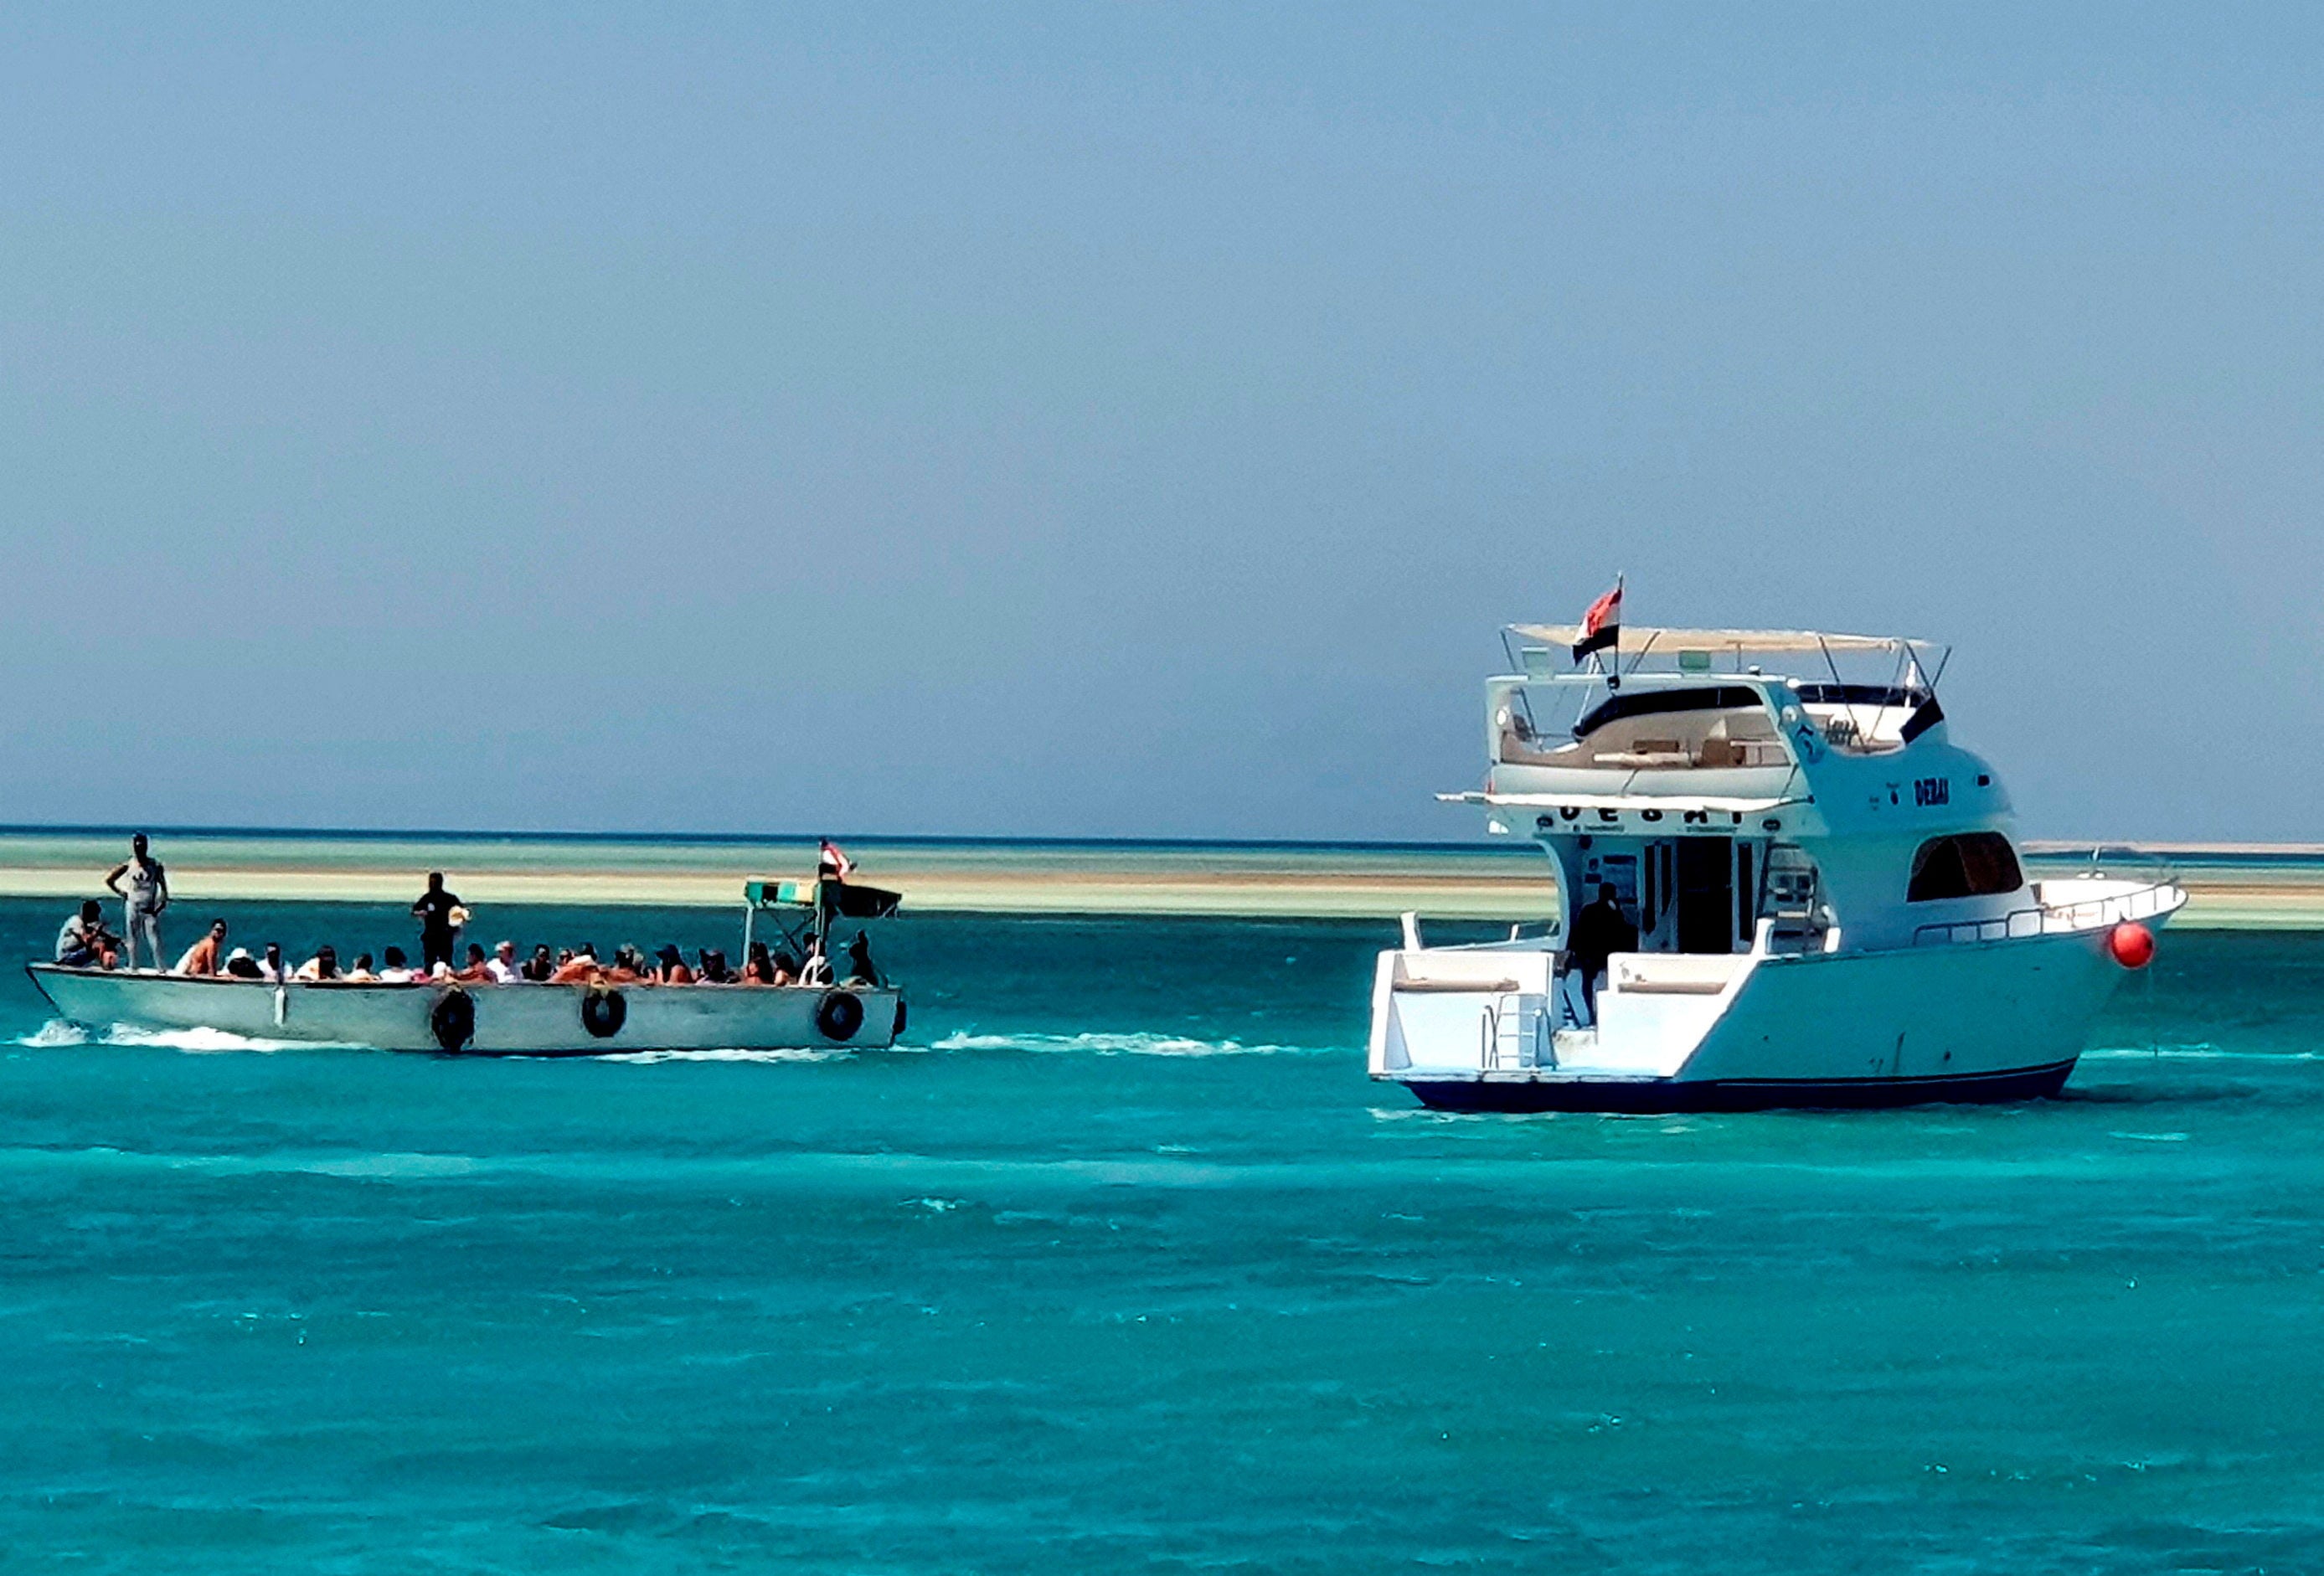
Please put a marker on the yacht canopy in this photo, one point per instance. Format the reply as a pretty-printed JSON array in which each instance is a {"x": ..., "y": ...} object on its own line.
[{"x": 1635, "y": 637}]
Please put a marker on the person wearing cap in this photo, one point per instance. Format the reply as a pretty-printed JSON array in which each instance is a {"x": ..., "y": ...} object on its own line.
[
  {"x": 502, "y": 965},
  {"x": 241, "y": 965},
  {"x": 205, "y": 956}
]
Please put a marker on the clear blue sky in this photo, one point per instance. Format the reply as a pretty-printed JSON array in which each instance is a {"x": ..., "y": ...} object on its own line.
[{"x": 1132, "y": 420}]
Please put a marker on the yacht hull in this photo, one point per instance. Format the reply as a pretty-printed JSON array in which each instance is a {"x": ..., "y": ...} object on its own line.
[
  {"x": 524, "y": 1020},
  {"x": 1977, "y": 1022},
  {"x": 1665, "y": 1096}
]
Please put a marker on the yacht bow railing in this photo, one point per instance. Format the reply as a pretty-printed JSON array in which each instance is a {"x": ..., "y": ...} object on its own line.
[{"x": 2057, "y": 918}]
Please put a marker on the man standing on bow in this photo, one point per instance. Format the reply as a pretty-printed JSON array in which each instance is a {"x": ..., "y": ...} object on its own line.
[{"x": 146, "y": 893}]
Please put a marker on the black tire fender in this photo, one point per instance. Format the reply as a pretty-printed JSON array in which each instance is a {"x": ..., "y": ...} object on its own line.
[
  {"x": 604, "y": 1011},
  {"x": 453, "y": 1020},
  {"x": 897, "y": 1033},
  {"x": 839, "y": 1015}
]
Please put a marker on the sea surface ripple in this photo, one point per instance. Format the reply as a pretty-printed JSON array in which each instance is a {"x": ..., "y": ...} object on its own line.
[{"x": 1121, "y": 1263}]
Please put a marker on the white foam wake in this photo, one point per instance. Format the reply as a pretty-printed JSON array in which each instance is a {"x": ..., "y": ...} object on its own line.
[
  {"x": 1113, "y": 1045},
  {"x": 58, "y": 1033},
  {"x": 787, "y": 1053}
]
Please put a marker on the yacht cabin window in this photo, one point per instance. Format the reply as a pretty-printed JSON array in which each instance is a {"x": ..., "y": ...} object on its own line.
[{"x": 1968, "y": 864}]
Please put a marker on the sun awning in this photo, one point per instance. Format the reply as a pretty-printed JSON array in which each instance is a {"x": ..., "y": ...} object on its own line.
[{"x": 1635, "y": 638}]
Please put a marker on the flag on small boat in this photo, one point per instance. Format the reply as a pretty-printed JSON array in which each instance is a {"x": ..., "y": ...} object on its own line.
[
  {"x": 831, "y": 861},
  {"x": 1601, "y": 626}
]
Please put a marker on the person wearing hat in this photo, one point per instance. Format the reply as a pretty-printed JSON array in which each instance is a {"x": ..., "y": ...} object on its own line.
[{"x": 241, "y": 965}]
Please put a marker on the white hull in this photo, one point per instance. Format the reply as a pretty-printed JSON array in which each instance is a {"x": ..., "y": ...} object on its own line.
[
  {"x": 1475, "y": 1028},
  {"x": 509, "y": 1019}
]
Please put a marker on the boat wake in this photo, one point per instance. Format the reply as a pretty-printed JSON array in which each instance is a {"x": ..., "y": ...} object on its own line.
[
  {"x": 1114, "y": 1045},
  {"x": 792, "y": 1053},
  {"x": 56, "y": 1033}
]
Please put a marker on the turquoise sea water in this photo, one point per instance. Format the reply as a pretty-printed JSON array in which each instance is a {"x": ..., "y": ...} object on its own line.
[{"x": 1122, "y": 1264}]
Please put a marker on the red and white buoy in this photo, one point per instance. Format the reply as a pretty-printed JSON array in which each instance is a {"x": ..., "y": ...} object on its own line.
[{"x": 2131, "y": 945}]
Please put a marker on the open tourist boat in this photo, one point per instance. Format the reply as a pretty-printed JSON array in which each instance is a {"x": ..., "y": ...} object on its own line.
[
  {"x": 593, "y": 1018},
  {"x": 1828, "y": 906}
]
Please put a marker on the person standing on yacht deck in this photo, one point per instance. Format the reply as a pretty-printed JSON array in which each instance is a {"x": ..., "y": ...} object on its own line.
[
  {"x": 141, "y": 901},
  {"x": 437, "y": 929},
  {"x": 1598, "y": 932}
]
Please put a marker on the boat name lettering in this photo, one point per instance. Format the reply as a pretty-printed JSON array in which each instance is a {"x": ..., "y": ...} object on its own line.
[{"x": 1933, "y": 790}]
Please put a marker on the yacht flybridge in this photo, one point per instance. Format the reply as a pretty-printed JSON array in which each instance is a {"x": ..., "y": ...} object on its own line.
[{"x": 1779, "y": 882}]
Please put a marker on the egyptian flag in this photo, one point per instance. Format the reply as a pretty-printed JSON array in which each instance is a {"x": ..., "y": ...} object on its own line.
[
  {"x": 834, "y": 863},
  {"x": 1601, "y": 626}
]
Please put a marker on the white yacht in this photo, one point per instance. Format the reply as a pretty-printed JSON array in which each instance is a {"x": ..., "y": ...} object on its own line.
[{"x": 1819, "y": 900}]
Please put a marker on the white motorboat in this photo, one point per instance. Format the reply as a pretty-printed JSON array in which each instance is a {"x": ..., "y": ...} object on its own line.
[
  {"x": 1828, "y": 906},
  {"x": 590, "y": 1018}
]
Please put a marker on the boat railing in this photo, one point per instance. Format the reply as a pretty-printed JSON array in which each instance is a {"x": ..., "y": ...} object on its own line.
[{"x": 2057, "y": 918}]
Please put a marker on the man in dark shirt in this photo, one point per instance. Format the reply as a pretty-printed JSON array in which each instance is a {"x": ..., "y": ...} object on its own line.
[
  {"x": 1598, "y": 932},
  {"x": 434, "y": 912}
]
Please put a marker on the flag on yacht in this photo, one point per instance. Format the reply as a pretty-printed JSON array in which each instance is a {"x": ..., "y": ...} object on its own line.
[{"x": 1601, "y": 626}]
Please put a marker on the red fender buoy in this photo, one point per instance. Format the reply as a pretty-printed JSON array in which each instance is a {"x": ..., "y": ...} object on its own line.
[{"x": 2131, "y": 945}]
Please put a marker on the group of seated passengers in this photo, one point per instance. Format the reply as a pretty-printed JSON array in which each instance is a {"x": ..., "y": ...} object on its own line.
[{"x": 85, "y": 943}]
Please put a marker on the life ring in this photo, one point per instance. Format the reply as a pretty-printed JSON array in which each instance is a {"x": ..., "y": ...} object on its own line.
[
  {"x": 453, "y": 1020},
  {"x": 604, "y": 1011},
  {"x": 839, "y": 1015}
]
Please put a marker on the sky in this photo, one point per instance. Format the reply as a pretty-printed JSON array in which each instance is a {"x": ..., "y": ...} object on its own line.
[{"x": 1133, "y": 421}]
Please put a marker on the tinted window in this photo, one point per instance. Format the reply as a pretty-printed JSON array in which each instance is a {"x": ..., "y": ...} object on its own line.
[{"x": 1974, "y": 865}]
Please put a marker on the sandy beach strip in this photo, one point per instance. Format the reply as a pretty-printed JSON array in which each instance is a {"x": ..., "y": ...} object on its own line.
[{"x": 2244, "y": 887}]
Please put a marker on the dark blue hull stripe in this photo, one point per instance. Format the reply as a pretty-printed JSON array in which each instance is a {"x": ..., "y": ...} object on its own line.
[{"x": 1657, "y": 1095}]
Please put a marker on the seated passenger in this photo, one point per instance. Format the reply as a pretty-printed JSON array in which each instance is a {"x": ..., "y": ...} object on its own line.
[
  {"x": 474, "y": 970},
  {"x": 758, "y": 968},
  {"x": 275, "y": 967},
  {"x": 323, "y": 966},
  {"x": 541, "y": 966},
  {"x": 241, "y": 965},
  {"x": 786, "y": 969},
  {"x": 85, "y": 943},
  {"x": 576, "y": 967},
  {"x": 397, "y": 970},
  {"x": 710, "y": 967},
  {"x": 861, "y": 970},
  {"x": 630, "y": 967},
  {"x": 205, "y": 956},
  {"x": 363, "y": 972},
  {"x": 817, "y": 969},
  {"x": 503, "y": 966},
  {"x": 673, "y": 971}
]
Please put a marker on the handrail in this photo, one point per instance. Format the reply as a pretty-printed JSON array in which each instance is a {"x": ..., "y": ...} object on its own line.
[{"x": 2066, "y": 919}]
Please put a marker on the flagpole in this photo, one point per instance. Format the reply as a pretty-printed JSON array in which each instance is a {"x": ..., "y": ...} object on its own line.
[{"x": 1614, "y": 671}]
